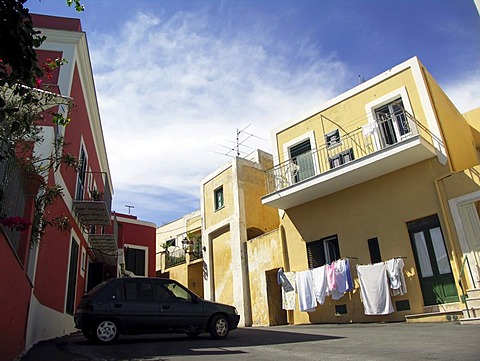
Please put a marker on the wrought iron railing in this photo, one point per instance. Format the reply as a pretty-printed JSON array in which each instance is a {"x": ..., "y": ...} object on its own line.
[
  {"x": 197, "y": 252},
  {"x": 351, "y": 146},
  {"x": 94, "y": 186},
  {"x": 175, "y": 257}
]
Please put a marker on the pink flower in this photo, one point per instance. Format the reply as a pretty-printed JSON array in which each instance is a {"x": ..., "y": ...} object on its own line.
[{"x": 16, "y": 223}]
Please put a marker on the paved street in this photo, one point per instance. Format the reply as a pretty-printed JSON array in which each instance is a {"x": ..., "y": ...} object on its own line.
[{"x": 360, "y": 342}]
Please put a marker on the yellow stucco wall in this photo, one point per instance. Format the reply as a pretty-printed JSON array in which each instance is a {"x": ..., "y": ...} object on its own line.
[
  {"x": 252, "y": 186},
  {"x": 456, "y": 131},
  {"x": 195, "y": 277},
  {"x": 212, "y": 216},
  {"x": 179, "y": 273},
  {"x": 350, "y": 113},
  {"x": 222, "y": 269},
  {"x": 378, "y": 208},
  {"x": 264, "y": 253},
  {"x": 473, "y": 118}
]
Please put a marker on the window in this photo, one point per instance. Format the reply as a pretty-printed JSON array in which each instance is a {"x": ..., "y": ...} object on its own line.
[
  {"x": 135, "y": 260},
  {"x": 323, "y": 251},
  {"x": 81, "y": 178},
  {"x": 341, "y": 158},
  {"x": 170, "y": 243},
  {"x": 180, "y": 293},
  {"x": 374, "y": 249},
  {"x": 218, "y": 194},
  {"x": 301, "y": 156},
  {"x": 134, "y": 291},
  {"x": 72, "y": 278},
  {"x": 333, "y": 138},
  {"x": 393, "y": 123}
]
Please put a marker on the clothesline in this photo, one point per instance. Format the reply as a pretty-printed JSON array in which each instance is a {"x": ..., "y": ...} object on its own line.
[{"x": 335, "y": 279}]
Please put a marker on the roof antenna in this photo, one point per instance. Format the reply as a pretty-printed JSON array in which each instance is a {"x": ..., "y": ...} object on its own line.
[
  {"x": 126, "y": 205},
  {"x": 361, "y": 79}
]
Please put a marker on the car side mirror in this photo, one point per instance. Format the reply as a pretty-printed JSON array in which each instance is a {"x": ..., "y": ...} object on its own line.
[{"x": 195, "y": 299}]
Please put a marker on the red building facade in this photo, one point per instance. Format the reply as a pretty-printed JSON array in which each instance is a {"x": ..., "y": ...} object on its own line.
[{"x": 42, "y": 283}]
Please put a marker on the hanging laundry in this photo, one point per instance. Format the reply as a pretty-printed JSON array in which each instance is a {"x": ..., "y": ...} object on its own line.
[
  {"x": 396, "y": 277},
  {"x": 330, "y": 272},
  {"x": 350, "y": 284},
  {"x": 320, "y": 284},
  {"x": 288, "y": 290},
  {"x": 374, "y": 289},
  {"x": 306, "y": 294},
  {"x": 283, "y": 281}
]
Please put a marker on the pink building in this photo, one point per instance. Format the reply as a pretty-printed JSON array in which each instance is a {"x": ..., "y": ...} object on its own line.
[{"x": 41, "y": 284}]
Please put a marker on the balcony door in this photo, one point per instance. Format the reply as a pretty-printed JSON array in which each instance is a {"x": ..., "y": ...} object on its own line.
[
  {"x": 433, "y": 264},
  {"x": 392, "y": 122},
  {"x": 81, "y": 176},
  {"x": 301, "y": 156}
]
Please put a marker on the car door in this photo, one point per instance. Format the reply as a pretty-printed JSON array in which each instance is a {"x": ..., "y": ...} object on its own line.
[
  {"x": 180, "y": 310},
  {"x": 133, "y": 301}
]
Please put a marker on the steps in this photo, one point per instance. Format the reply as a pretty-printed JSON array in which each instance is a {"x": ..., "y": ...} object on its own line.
[
  {"x": 438, "y": 313},
  {"x": 472, "y": 315}
]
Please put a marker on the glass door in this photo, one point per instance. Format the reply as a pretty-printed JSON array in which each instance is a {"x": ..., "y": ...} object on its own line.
[{"x": 433, "y": 265}]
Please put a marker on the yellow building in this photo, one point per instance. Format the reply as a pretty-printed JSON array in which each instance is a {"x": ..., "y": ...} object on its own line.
[
  {"x": 232, "y": 216},
  {"x": 388, "y": 169},
  {"x": 179, "y": 251}
]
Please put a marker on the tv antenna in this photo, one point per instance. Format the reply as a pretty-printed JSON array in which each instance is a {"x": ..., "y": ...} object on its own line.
[
  {"x": 241, "y": 137},
  {"x": 126, "y": 205}
]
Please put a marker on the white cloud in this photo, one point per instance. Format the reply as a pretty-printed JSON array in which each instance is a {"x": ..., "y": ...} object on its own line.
[
  {"x": 465, "y": 92},
  {"x": 171, "y": 90}
]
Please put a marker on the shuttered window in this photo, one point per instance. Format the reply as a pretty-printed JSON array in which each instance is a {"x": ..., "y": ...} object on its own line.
[
  {"x": 301, "y": 156},
  {"x": 135, "y": 261},
  {"x": 323, "y": 251}
]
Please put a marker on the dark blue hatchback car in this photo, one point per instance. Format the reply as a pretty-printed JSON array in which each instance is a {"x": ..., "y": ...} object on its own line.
[{"x": 150, "y": 305}]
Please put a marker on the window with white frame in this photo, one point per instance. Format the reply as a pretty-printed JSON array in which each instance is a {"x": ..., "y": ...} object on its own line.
[
  {"x": 324, "y": 251},
  {"x": 301, "y": 156},
  {"x": 392, "y": 121},
  {"x": 333, "y": 139},
  {"x": 219, "y": 201},
  {"x": 388, "y": 118},
  {"x": 341, "y": 158},
  {"x": 135, "y": 260}
]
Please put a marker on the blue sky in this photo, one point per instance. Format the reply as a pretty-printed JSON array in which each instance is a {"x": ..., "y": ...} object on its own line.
[{"x": 176, "y": 79}]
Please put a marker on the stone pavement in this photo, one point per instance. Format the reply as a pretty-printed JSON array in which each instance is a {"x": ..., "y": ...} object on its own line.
[{"x": 360, "y": 342}]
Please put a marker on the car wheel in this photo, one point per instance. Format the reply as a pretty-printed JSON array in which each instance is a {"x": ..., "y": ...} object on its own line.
[
  {"x": 219, "y": 327},
  {"x": 106, "y": 331}
]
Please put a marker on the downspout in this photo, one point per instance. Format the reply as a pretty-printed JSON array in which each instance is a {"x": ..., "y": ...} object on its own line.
[
  {"x": 443, "y": 209},
  {"x": 286, "y": 264}
]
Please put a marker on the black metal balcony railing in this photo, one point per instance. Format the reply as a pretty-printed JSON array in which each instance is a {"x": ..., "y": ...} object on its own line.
[
  {"x": 196, "y": 252},
  {"x": 351, "y": 146},
  {"x": 93, "y": 199},
  {"x": 175, "y": 257}
]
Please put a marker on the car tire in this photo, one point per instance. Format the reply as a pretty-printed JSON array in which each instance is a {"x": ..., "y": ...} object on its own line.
[
  {"x": 219, "y": 327},
  {"x": 193, "y": 334},
  {"x": 106, "y": 332}
]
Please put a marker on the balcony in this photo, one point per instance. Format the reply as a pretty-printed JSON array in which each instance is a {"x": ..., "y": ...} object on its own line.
[
  {"x": 93, "y": 200},
  {"x": 366, "y": 153},
  {"x": 103, "y": 242},
  {"x": 175, "y": 257}
]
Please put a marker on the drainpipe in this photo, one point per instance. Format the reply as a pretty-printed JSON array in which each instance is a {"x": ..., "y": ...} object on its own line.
[
  {"x": 286, "y": 266},
  {"x": 444, "y": 212}
]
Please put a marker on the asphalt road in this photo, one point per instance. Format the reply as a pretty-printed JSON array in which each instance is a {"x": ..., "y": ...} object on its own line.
[{"x": 360, "y": 342}]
